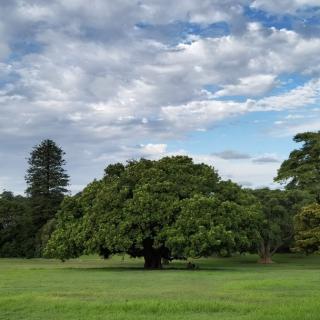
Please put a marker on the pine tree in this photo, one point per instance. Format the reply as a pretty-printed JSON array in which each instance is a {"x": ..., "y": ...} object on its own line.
[
  {"x": 46, "y": 175},
  {"x": 47, "y": 183}
]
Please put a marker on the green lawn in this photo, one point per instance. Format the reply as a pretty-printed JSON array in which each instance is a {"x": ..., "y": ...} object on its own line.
[{"x": 91, "y": 288}]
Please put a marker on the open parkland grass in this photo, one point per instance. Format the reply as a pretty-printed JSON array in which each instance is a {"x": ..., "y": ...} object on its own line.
[{"x": 91, "y": 288}]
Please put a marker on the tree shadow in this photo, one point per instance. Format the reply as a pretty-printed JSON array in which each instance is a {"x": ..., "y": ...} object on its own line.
[{"x": 139, "y": 269}]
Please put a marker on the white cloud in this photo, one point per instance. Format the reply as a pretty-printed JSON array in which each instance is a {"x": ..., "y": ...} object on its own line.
[
  {"x": 284, "y": 6},
  {"x": 301, "y": 96},
  {"x": 34, "y": 12},
  {"x": 244, "y": 171},
  {"x": 290, "y": 129},
  {"x": 151, "y": 149},
  {"x": 295, "y": 116},
  {"x": 102, "y": 76},
  {"x": 4, "y": 46},
  {"x": 253, "y": 57},
  {"x": 197, "y": 114},
  {"x": 205, "y": 113},
  {"x": 249, "y": 86}
]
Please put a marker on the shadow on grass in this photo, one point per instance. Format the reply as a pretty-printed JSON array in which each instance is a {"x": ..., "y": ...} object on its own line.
[{"x": 139, "y": 269}]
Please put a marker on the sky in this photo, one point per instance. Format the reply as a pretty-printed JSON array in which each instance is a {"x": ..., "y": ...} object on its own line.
[{"x": 228, "y": 83}]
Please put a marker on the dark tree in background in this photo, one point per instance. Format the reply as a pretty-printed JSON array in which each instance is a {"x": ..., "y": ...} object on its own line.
[
  {"x": 15, "y": 226},
  {"x": 46, "y": 176},
  {"x": 47, "y": 184},
  {"x": 307, "y": 229},
  {"x": 276, "y": 227}
]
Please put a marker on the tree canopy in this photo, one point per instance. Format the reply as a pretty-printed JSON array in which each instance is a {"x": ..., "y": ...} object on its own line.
[
  {"x": 47, "y": 183},
  {"x": 46, "y": 175},
  {"x": 307, "y": 229},
  {"x": 164, "y": 209},
  {"x": 155, "y": 209},
  {"x": 16, "y": 228},
  {"x": 278, "y": 211},
  {"x": 302, "y": 169}
]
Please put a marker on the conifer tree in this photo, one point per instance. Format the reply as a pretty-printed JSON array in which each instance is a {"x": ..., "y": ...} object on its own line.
[{"x": 47, "y": 183}]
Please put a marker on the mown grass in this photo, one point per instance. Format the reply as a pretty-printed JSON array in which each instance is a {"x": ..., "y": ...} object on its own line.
[{"x": 91, "y": 288}]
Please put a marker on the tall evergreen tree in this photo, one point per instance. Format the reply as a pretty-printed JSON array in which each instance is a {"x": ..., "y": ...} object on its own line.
[
  {"x": 47, "y": 183},
  {"x": 46, "y": 175}
]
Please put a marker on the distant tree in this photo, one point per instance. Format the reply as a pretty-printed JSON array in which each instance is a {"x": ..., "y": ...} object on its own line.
[
  {"x": 276, "y": 227},
  {"x": 140, "y": 209},
  {"x": 302, "y": 169},
  {"x": 46, "y": 175},
  {"x": 47, "y": 183},
  {"x": 15, "y": 226},
  {"x": 307, "y": 229}
]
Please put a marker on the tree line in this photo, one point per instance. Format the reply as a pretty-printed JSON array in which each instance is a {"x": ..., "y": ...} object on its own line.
[
  {"x": 161, "y": 210},
  {"x": 27, "y": 222}
]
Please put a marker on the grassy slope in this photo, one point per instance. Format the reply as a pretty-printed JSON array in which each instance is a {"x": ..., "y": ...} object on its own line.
[{"x": 90, "y": 288}]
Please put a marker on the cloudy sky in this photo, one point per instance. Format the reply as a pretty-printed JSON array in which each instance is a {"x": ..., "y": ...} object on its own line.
[{"x": 226, "y": 82}]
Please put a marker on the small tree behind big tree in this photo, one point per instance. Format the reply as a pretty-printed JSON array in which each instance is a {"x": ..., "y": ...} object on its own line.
[
  {"x": 276, "y": 227},
  {"x": 307, "y": 229},
  {"x": 47, "y": 182}
]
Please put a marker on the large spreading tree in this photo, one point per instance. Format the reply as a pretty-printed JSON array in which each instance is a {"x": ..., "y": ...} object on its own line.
[
  {"x": 165, "y": 209},
  {"x": 47, "y": 184},
  {"x": 302, "y": 169}
]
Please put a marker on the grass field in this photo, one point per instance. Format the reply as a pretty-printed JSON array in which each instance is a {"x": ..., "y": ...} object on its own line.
[{"x": 90, "y": 288}]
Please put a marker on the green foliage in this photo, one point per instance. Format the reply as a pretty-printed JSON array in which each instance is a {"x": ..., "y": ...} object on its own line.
[
  {"x": 46, "y": 175},
  {"x": 16, "y": 233},
  {"x": 67, "y": 232},
  {"x": 278, "y": 210},
  {"x": 210, "y": 224},
  {"x": 70, "y": 232},
  {"x": 307, "y": 229},
  {"x": 47, "y": 181},
  {"x": 302, "y": 169},
  {"x": 140, "y": 209}
]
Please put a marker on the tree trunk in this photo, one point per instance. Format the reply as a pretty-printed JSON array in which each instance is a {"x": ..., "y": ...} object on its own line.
[
  {"x": 152, "y": 256},
  {"x": 265, "y": 253},
  {"x": 318, "y": 198},
  {"x": 152, "y": 261}
]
